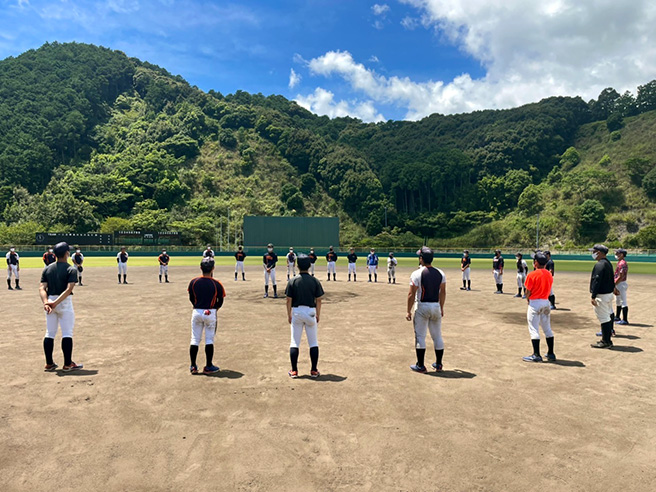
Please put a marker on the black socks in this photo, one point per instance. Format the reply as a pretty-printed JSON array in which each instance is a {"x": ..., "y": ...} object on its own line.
[
  {"x": 314, "y": 357},
  {"x": 420, "y": 357},
  {"x": 607, "y": 331},
  {"x": 67, "y": 348},
  {"x": 552, "y": 300},
  {"x": 469, "y": 284},
  {"x": 48, "y": 347},
  {"x": 243, "y": 276},
  {"x": 354, "y": 278},
  {"x": 438, "y": 356},
  {"x": 193, "y": 352},
  {"x": 125, "y": 278},
  {"x": 293, "y": 357},
  {"x": 464, "y": 284},
  {"x": 334, "y": 277},
  {"x": 536, "y": 346},
  {"x": 550, "y": 345},
  {"x": 625, "y": 313},
  {"x": 275, "y": 290},
  {"x": 119, "y": 278},
  {"x": 160, "y": 279},
  {"x": 209, "y": 353},
  {"x": 9, "y": 283},
  {"x": 618, "y": 312},
  {"x": 266, "y": 289}
]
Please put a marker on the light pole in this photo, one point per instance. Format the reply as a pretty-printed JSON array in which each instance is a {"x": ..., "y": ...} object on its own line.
[
  {"x": 385, "y": 216},
  {"x": 537, "y": 233}
]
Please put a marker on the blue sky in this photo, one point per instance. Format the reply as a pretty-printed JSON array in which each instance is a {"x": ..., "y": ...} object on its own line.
[{"x": 396, "y": 59}]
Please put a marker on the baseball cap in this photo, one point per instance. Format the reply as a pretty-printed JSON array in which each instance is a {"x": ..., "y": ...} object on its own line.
[
  {"x": 426, "y": 253},
  {"x": 206, "y": 265},
  {"x": 540, "y": 257},
  {"x": 303, "y": 261},
  {"x": 497, "y": 251},
  {"x": 599, "y": 247},
  {"x": 61, "y": 249},
  {"x": 621, "y": 250},
  {"x": 269, "y": 245},
  {"x": 519, "y": 255}
]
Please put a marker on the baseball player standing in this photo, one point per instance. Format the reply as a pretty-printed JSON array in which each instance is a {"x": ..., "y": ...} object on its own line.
[
  {"x": 122, "y": 261},
  {"x": 602, "y": 287},
  {"x": 291, "y": 264},
  {"x": 551, "y": 268},
  {"x": 49, "y": 257},
  {"x": 331, "y": 259},
  {"x": 522, "y": 272},
  {"x": 206, "y": 295},
  {"x": 537, "y": 287},
  {"x": 269, "y": 261},
  {"x": 240, "y": 256},
  {"x": 208, "y": 253},
  {"x": 352, "y": 258},
  {"x": 372, "y": 264},
  {"x": 497, "y": 268},
  {"x": 427, "y": 296},
  {"x": 313, "y": 260},
  {"x": 465, "y": 267},
  {"x": 391, "y": 268},
  {"x": 164, "y": 260},
  {"x": 621, "y": 274},
  {"x": 303, "y": 311},
  {"x": 78, "y": 259},
  {"x": 13, "y": 268},
  {"x": 57, "y": 283}
]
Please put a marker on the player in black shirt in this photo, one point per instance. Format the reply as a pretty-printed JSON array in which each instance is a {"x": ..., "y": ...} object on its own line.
[
  {"x": 602, "y": 288},
  {"x": 49, "y": 257},
  {"x": 352, "y": 258},
  {"x": 269, "y": 260},
  {"x": 303, "y": 311},
  {"x": 313, "y": 260},
  {"x": 497, "y": 267},
  {"x": 240, "y": 256},
  {"x": 78, "y": 259},
  {"x": 465, "y": 268}
]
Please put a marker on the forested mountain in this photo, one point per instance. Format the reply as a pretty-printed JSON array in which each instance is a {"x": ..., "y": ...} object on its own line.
[{"x": 93, "y": 140}]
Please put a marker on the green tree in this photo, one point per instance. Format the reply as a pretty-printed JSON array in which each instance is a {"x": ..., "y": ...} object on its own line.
[
  {"x": 530, "y": 201},
  {"x": 592, "y": 219},
  {"x": 112, "y": 224},
  {"x": 649, "y": 183}
]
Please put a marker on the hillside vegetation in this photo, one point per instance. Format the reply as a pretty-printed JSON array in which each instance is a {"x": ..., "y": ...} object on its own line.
[{"x": 91, "y": 140}]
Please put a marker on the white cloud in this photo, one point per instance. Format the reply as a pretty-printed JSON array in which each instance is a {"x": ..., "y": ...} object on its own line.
[
  {"x": 294, "y": 79},
  {"x": 529, "y": 49},
  {"x": 409, "y": 23},
  {"x": 323, "y": 102},
  {"x": 380, "y": 9},
  {"x": 374, "y": 59}
]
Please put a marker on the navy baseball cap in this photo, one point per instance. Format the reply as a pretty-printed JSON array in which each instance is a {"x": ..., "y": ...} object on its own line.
[
  {"x": 206, "y": 265},
  {"x": 60, "y": 249},
  {"x": 303, "y": 261},
  {"x": 599, "y": 247},
  {"x": 621, "y": 250},
  {"x": 540, "y": 257},
  {"x": 426, "y": 254}
]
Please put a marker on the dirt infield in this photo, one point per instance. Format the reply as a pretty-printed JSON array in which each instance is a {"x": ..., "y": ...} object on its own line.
[{"x": 134, "y": 419}]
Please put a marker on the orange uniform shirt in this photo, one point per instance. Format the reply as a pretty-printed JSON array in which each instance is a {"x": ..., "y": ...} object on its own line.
[{"x": 539, "y": 282}]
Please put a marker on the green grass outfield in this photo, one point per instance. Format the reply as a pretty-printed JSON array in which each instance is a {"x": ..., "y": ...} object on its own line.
[{"x": 477, "y": 264}]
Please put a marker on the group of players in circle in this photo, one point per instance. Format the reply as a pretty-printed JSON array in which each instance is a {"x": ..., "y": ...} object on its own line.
[{"x": 425, "y": 305}]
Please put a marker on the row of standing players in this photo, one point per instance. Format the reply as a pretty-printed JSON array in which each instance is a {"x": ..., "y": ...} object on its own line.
[{"x": 425, "y": 306}]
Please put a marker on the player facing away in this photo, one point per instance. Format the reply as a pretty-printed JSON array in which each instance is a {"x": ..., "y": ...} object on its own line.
[
  {"x": 497, "y": 268},
  {"x": 304, "y": 294},
  {"x": 621, "y": 274},
  {"x": 427, "y": 296},
  {"x": 13, "y": 268},
  {"x": 391, "y": 269},
  {"x": 372, "y": 264},
  {"x": 206, "y": 295},
  {"x": 313, "y": 260},
  {"x": 538, "y": 285},
  {"x": 602, "y": 287},
  {"x": 551, "y": 268},
  {"x": 522, "y": 272},
  {"x": 291, "y": 263},
  {"x": 352, "y": 258},
  {"x": 122, "y": 262},
  {"x": 49, "y": 257},
  {"x": 57, "y": 283},
  {"x": 240, "y": 256},
  {"x": 208, "y": 253},
  {"x": 269, "y": 260},
  {"x": 78, "y": 259},
  {"x": 331, "y": 260},
  {"x": 164, "y": 260},
  {"x": 465, "y": 268}
]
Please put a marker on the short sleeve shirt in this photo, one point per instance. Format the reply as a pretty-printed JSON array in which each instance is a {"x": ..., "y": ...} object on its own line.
[
  {"x": 428, "y": 282},
  {"x": 539, "y": 283},
  {"x": 304, "y": 289},
  {"x": 58, "y": 276}
]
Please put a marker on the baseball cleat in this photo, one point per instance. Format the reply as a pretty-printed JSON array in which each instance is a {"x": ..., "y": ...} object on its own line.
[
  {"x": 518, "y": 295},
  {"x": 275, "y": 296},
  {"x": 193, "y": 369},
  {"x": 265, "y": 296},
  {"x": 293, "y": 374},
  {"x": 437, "y": 367},
  {"x": 51, "y": 367},
  {"x": 551, "y": 358},
  {"x": 10, "y": 288},
  {"x": 602, "y": 345},
  {"x": 210, "y": 369},
  {"x": 468, "y": 288},
  {"x": 523, "y": 297},
  {"x": 463, "y": 288},
  {"x": 72, "y": 367},
  {"x": 420, "y": 369},
  {"x": 19, "y": 288},
  {"x": 553, "y": 307},
  {"x": 315, "y": 374},
  {"x": 622, "y": 322},
  {"x": 617, "y": 319},
  {"x": 532, "y": 358}
]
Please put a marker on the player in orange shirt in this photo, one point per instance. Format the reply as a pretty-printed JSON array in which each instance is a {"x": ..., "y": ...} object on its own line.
[{"x": 538, "y": 288}]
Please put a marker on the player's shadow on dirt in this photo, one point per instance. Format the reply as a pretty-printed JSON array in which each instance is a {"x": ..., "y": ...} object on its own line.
[
  {"x": 627, "y": 337},
  {"x": 641, "y": 325},
  {"x": 567, "y": 363},
  {"x": 225, "y": 374},
  {"x": 340, "y": 296},
  {"x": 626, "y": 348},
  {"x": 79, "y": 372},
  {"x": 331, "y": 378},
  {"x": 455, "y": 374}
]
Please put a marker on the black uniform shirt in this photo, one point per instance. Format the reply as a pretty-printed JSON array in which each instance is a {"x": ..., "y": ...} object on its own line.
[
  {"x": 206, "y": 293},
  {"x": 13, "y": 259},
  {"x": 123, "y": 257},
  {"x": 240, "y": 255},
  {"x": 465, "y": 262},
  {"x": 550, "y": 267},
  {"x": 78, "y": 258},
  {"x": 270, "y": 260},
  {"x": 602, "y": 280},
  {"x": 352, "y": 257},
  {"x": 164, "y": 259},
  {"x": 497, "y": 263},
  {"x": 313, "y": 258},
  {"x": 304, "y": 290},
  {"x": 58, "y": 275},
  {"x": 331, "y": 256}
]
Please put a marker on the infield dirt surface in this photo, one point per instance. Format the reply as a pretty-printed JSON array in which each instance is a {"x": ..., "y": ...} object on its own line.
[{"x": 135, "y": 419}]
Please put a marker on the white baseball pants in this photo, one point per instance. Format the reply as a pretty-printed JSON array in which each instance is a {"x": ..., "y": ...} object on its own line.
[
  {"x": 201, "y": 322},
  {"x": 521, "y": 278},
  {"x": 331, "y": 267},
  {"x": 13, "y": 270},
  {"x": 391, "y": 272},
  {"x": 163, "y": 269},
  {"x": 312, "y": 268},
  {"x": 269, "y": 275},
  {"x": 304, "y": 318},
  {"x": 466, "y": 274},
  {"x": 372, "y": 269},
  {"x": 498, "y": 277},
  {"x": 351, "y": 267},
  {"x": 239, "y": 267},
  {"x": 428, "y": 318},
  {"x": 539, "y": 315},
  {"x": 604, "y": 308},
  {"x": 62, "y": 316},
  {"x": 621, "y": 300},
  {"x": 122, "y": 268},
  {"x": 291, "y": 269}
]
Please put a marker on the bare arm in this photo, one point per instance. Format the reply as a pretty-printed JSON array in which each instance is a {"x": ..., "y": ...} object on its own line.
[
  {"x": 318, "y": 301},
  {"x": 63, "y": 295},
  {"x": 442, "y": 297},
  {"x": 411, "y": 301},
  {"x": 289, "y": 309},
  {"x": 43, "y": 293}
]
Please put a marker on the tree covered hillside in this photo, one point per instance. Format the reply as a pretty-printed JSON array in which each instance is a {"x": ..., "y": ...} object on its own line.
[{"x": 93, "y": 140}]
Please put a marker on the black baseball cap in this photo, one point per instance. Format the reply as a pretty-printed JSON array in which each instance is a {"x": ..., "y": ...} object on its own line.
[
  {"x": 540, "y": 257},
  {"x": 426, "y": 254},
  {"x": 599, "y": 247},
  {"x": 303, "y": 261},
  {"x": 621, "y": 251},
  {"x": 206, "y": 265},
  {"x": 519, "y": 255},
  {"x": 61, "y": 249}
]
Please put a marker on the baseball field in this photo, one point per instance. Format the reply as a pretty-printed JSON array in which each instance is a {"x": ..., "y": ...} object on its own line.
[{"x": 135, "y": 419}]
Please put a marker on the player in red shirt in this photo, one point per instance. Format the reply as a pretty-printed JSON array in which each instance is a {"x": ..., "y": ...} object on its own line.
[{"x": 538, "y": 288}]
